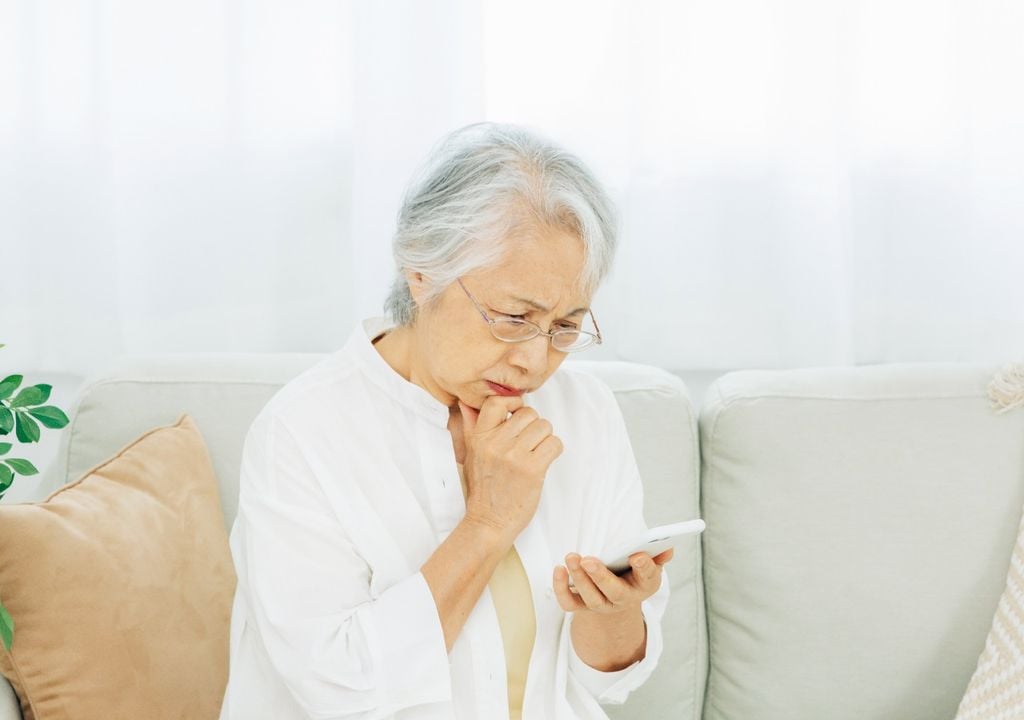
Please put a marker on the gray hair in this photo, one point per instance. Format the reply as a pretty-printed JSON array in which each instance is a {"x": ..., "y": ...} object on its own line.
[{"x": 480, "y": 184}]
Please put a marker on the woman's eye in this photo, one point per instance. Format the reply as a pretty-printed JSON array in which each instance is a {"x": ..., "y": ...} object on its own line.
[{"x": 521, "y": 316}]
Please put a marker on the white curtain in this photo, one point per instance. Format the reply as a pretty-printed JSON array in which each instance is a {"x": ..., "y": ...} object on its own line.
[{"x": 801, "y": 182}]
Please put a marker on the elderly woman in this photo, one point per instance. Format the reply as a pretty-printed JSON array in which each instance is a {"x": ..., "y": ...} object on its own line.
[{"x": 407, "y": 503}]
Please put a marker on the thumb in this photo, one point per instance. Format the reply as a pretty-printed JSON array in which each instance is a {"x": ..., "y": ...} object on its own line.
[{"x": 469, "y": 417}]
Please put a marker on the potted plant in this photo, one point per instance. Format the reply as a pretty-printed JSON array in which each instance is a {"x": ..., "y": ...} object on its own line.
[{"x": 23, "y": 413}]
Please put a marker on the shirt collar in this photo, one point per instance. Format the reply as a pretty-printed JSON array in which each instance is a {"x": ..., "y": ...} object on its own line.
[{"x": 408, "y": 394}]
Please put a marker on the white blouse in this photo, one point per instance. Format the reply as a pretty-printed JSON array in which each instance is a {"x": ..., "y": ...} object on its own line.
[{"x": 348, "y": 485}]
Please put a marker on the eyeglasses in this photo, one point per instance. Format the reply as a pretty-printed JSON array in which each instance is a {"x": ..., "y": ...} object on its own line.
[{"x": 511, "y": 330}]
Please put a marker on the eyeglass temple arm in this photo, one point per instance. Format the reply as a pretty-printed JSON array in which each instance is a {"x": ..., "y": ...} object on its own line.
[{"x": 479, "y": 309}]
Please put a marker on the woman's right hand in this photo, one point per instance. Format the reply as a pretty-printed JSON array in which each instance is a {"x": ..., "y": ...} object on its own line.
[{"x": 506, "y": 462}]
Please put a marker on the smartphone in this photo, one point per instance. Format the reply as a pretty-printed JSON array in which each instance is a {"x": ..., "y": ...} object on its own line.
[{"x": 655, "y": 541}]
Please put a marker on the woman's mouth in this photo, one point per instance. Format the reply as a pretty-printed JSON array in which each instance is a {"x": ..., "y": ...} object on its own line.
[{"x": 503, "y": 390}]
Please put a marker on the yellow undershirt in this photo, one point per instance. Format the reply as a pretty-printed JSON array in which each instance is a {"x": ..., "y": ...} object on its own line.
[{"x": 510, "y": 590}]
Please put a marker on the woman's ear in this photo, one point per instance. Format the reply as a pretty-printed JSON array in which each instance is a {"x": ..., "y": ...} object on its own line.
[{"x": 417, "y": 286}]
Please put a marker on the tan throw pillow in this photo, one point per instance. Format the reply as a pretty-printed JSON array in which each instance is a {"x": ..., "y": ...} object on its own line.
[
  {"x": 120, "y": 585},
  {"x": 996, "y": 690}
]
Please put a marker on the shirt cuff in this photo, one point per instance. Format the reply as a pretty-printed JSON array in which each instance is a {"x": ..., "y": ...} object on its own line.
[{"x": 407, "y": 643}]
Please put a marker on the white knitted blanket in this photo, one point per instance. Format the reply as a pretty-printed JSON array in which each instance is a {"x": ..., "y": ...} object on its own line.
[{"x": 996, "y": 690}]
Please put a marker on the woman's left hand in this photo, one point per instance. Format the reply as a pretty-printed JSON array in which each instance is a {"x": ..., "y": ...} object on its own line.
[{"x": 600, "y": 590}]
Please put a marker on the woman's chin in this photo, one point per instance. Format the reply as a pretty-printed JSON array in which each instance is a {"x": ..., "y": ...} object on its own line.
[{"x": 473, "y": 401}]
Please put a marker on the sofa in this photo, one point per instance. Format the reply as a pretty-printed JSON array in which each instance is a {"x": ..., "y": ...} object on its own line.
[{"x": 860, "y": 520}]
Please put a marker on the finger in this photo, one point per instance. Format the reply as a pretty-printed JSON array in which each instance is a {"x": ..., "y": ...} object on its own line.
[
  {"x": 646, "y": 573},
  {"x": 495, "y": 409},
  {"x": 534, "y": 434},
  {"x": 572, "y": 583},
  {"x": 588, "y": 591},
  {"x": 469, "y": 418},
  {"x": 549, "y": 449},
  {"x": 665, "y": 556},
  {"x": 521, "y": 419},
  {"x": 614, "y": 588},
  {"x": 566, "y": 599}
]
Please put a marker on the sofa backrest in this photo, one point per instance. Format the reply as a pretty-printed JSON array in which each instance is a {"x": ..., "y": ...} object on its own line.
[
  {"x": 860, "y": 523},
  {"x": 224, "y": 392}
]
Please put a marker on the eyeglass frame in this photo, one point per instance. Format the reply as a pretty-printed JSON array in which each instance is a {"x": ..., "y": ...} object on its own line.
[{"x": 539, "y": 330}]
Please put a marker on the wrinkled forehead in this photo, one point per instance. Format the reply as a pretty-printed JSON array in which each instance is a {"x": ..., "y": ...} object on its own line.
[
  {"x": 569, "y": 302},
  {"x": 541, "y": 270}
]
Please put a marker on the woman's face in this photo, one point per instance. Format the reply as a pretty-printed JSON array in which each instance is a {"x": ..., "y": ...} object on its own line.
[{"x": 454, "y": 354}]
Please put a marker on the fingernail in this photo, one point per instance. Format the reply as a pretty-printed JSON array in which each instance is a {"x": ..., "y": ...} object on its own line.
[{"x": 590, "y": 566}]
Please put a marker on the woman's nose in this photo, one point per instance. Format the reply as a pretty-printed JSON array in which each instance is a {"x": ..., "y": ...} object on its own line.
[{"x": 531, "y": 355}]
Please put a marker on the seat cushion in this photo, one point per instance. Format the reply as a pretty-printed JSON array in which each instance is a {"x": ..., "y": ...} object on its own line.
[{"x": 120, "y": 585}]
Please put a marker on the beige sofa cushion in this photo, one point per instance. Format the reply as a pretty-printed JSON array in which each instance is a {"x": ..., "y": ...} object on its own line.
[{"x": 120, "y": 585}]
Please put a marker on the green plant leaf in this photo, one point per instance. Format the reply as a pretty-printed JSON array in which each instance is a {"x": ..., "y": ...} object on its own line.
[
  {"x": 27, "y": 428},
  {"x": 32, "y": 395},
  {"x": 8, "y": 385},
  {"x": 6, "y": 627},
  {"x": 6, "y": 420},
  {"x": 50, "y": 416},
  {"x": 22, "y": 466},
  {"x": 5, "y": 448},
  {"x": 6, "y": 477}
]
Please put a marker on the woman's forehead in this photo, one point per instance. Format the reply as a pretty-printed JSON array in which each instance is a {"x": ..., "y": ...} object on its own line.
[
  {"x": 540, "y": 296},
  {"x": 544, "y": 308},
  {"x": 541, "y": 270}
]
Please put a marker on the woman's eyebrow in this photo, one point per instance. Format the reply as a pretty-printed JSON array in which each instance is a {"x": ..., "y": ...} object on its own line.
[{"x": 538, "y": 306}]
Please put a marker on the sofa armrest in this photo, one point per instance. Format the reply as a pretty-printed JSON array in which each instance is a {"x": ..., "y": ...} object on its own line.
[{"x": 9, "y": 707}]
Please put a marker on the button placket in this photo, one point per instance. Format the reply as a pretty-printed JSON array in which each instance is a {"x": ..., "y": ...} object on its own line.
[{"x": 446, "y": 502}]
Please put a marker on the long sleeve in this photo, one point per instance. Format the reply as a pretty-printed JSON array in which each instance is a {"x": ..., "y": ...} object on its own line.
[
  {"x": 340, "y": 652},
  {"x": 625, "y": 522}
]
